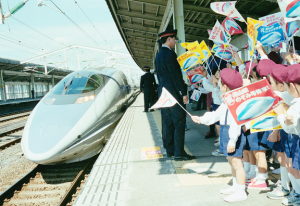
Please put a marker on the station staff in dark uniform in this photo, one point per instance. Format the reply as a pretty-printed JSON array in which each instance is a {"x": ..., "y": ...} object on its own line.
[
  {"x": 148, "y": 87},
  {"x": 170, "y": 77}
]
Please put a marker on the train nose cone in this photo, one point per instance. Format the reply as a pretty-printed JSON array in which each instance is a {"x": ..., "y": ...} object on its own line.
[{"x": 43, "y": 138}]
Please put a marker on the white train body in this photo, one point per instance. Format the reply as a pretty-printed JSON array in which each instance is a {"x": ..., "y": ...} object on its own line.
[{"x": 71, "y": 122}]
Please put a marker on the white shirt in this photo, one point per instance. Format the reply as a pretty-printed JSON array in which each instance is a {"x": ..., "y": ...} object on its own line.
[
  {"x": 286, "y": 97},
  {"x": 219, "y": 115},
  {"x": 166, "y": 46},
  {"x": 295, "y": 111},
  {"x": 216, "y": 92},
  {"x": 241, "y": 68}
]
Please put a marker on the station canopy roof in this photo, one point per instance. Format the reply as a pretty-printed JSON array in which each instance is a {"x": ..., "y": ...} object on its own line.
[
  {"x": 139, "y": 21},
  {"x": 14, "y": 71}
]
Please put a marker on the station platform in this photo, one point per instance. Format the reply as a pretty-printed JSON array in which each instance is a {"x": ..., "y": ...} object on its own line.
[
  {"x": 133, "y": 169},
  {"x": 18, "y": 105},
  {"x": 18, "y": 101}
]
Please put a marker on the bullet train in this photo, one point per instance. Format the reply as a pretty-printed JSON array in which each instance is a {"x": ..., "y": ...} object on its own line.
[{"x": 73, "y": 121}]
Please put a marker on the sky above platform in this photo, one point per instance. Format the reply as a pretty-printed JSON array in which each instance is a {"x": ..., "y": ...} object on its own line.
[{"x": 21, "y": 42}]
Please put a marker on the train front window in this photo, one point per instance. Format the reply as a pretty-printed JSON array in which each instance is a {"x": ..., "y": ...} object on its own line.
[
  {"x": 60, "y": 87},
  {"x": 78, "y": 84}
]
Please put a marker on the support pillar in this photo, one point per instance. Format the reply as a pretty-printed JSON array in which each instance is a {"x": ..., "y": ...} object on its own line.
[
  {"x": 52, "y": 81},
  {"x": 32, "y": 86},
  {"x": 178, "y": 22},
  {"x": 2, "y": 87},
  {"x": 45, "y": 65}
]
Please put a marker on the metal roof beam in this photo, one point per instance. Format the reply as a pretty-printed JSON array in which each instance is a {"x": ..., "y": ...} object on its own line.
[
  {"x": 139, "y": 46},
  {"x": 194, "y": 37},
  {"x": 141, "y": 42},
  {"x": 13, "y": 73},
  {"x": 153, "y": 2},
  {"x": 204, "y": 10},
  {"x": 138, "y": 31},
  {"x": 198, "y": 26},
  {"x": 138, "y": 15},
  {"x": 139, "y": 27},
  {"x": 141, "y": 49},
  {"x": 130, "y": 34}
]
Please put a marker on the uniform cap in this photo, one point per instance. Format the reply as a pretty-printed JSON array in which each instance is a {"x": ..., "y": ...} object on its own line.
[
  {"x": 264, "y": 67},
  {"x": 168, "y": 33},
  {"x": 293, "y": 75},
  {"x": 146, "y": 67},
  {"x": 231, "y": 78},
  {"x": 248, "y": 65},
  {"x": 279, "y": 73}
]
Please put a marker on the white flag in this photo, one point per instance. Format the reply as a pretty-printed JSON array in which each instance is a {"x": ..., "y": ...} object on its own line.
[
  {"x": 219, "y": 34},
  {"x": 290, "y": 9},
  {"x": 196, "y": 95},
  {"x": 165, "y": 100}
]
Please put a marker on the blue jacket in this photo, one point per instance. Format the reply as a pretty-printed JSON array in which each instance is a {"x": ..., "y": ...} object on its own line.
[{"x": 169, "y": 74}]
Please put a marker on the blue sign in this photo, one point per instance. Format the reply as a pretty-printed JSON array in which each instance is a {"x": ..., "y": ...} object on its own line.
[{"x": 270, "y": 35}]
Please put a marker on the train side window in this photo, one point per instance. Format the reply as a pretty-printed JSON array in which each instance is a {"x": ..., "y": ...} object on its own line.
[{"x": 93, "y": 83}]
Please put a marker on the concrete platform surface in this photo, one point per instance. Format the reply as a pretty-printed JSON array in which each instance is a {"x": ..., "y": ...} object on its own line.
[
  {"x": 131, "y": 171},
  {"x": 18, "y": 101}
]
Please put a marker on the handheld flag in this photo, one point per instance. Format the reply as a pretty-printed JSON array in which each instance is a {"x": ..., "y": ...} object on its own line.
[
  {"x": 167, "y": 100},
  {"x": 196, "y": 95},
  {"x": 195, "y": 75},
  {"x": 209, "y": 32},
  {"x": 226, "y": 52},
  {"x": 185, "y": 44},
  {"x": 195, "y": 48},
  {"x": 205, "y": 50},
  {"x": 289, "y": 29},
  {"x": 188, "y": 59},
  {"x": 221, "y": 7},
  {"x": 266, "y": 122},
  {"x": 270, "y": 35},
  {"x": 250, "y": 102},
  {"x": 219, "y": 34},
  {"x": 252, "y": 27},
  {"x": 290, "y": 9},
  {"x": 227, "y": 9},
  {"x": 231, "y": 26}
]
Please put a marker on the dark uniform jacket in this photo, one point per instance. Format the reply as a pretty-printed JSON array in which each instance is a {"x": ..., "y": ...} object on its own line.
[
  {"x": 169, "y": 73},
  {"x": 148, "y": 83}
]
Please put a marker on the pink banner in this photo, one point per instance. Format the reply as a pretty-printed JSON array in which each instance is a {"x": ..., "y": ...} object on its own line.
[{"x": 252, "y": 101}]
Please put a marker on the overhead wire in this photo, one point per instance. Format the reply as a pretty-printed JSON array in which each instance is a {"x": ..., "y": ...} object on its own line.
[
  {"x": 39, "y": 32},
  {"x": 76, "y": 25},
  {"x": 30, "y": 46},
  {"x": 91, "y": 22},
  {"x": 58, "y": 41},
  {"x": 21, "y": 44}
]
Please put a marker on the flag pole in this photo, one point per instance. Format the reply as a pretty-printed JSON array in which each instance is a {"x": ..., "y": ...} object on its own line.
[
  {"x": 249, "y": 67},
  {"x": 184, "y": 109},
  {"x": 294, "y": 51}
]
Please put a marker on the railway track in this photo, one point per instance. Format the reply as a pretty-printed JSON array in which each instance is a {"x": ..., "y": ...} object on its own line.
[
  {"x": 11, "y": 129},
  {"x": 48, "y": 185},
  {"x": 10, "y": 139},
  {"x": 11, "y": 116}
]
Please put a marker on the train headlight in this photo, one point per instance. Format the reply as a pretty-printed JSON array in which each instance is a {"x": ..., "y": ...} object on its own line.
[{"x": 84, "y": 99}]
